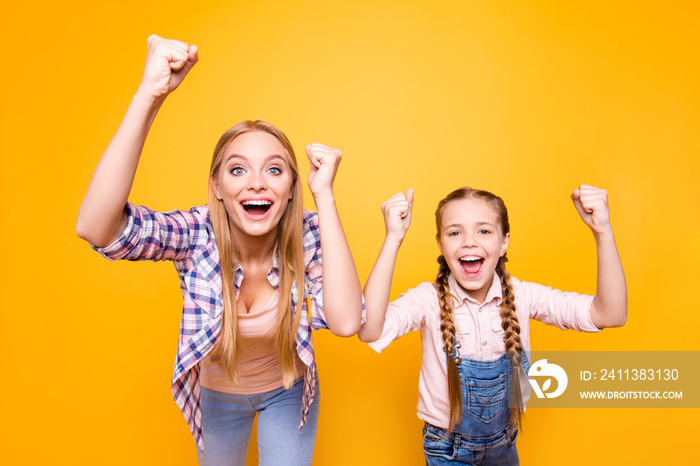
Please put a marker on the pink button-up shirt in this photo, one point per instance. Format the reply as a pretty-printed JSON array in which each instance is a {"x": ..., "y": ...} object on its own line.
[{"x": 479, "y": 331}]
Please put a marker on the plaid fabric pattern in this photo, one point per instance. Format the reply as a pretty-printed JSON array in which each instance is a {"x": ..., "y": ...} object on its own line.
[{"x": 187, "y": 239}]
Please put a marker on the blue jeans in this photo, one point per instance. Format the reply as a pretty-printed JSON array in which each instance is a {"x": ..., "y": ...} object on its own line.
[
  {"x": 442, "y": 448},
  {"x": 227, "y": 422}
]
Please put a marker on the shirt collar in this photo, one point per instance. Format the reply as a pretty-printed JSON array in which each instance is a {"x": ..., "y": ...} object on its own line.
[
  {"x": 495, "y": 292},
  {"x": 272, "y": 273},
  {"x": 275, "y": 266}
]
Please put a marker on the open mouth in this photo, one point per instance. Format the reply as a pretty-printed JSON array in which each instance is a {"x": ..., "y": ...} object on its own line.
[
  {"x": 256, "y": 208},
  {"x": 471, "y": 265}
]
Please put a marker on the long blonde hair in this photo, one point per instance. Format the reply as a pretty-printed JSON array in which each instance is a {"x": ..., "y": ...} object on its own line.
[
  {"x": 290, "y": 254},
  {"x": 509, "y": 319}
]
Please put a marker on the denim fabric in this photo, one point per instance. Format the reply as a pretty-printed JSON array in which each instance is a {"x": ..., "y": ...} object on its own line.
[
  {"x": 442, "y": 448},
  {"x": 228, "y": 421},
  {"x": 484, "y": 435}
]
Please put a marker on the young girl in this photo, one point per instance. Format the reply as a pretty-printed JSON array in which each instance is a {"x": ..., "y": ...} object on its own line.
[
  {"x": 474, "y": 319},
  {"x": 247, "y": 263}
]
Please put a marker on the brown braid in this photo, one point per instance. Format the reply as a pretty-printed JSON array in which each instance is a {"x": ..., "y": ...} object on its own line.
[
  {"x": 514, "y": 347},
  {"x": 447, "y": 326}
]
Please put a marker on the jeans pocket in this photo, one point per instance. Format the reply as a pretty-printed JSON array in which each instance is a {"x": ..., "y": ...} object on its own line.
[
  {"x": 435, "y": 445},
  {"x": 486, "y": 398},
  {"x": 513, "y": 437}
]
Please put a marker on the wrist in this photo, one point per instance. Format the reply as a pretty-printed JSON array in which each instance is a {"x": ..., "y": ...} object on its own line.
[
  {"x": 393, "y": 239},
  {"x": 391, "y": 246},
  {"x": 324, "y": 198},
  {"x": 604, "y": 236},
  {"x": 149, "y": 96}
]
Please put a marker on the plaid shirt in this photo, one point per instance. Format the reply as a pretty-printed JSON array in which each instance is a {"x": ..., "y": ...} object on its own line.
[{"x": 187, "y": 239}]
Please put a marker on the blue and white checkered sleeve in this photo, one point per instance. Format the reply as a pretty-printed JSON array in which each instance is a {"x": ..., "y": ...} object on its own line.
[{"x": 151, "y": 235}]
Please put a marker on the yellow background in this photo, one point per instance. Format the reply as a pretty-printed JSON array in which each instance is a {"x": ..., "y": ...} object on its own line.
[{"x": 524, "y": 98}]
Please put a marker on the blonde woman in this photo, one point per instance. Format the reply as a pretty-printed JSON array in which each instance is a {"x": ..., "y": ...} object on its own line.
[{"x": 248, "y": 263}]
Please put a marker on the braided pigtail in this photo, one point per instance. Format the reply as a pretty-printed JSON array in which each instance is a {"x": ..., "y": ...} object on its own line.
[
  {"x": 448, "y": 328},
  {"x": 514, "y": 347}
]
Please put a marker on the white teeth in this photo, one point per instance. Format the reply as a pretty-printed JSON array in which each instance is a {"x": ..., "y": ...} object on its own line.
[
  {"x": 470, "y": 259},
  {"x": 257, "y": 202}
]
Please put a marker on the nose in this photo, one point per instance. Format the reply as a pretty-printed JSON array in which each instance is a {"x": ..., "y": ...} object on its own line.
[
  {"x": 257, "y": 182},
  {"x": 468, "y": 240}
]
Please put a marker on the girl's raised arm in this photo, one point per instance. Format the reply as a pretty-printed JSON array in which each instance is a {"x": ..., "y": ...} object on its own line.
[
  {"x": 102, "y": 217},
  {"x": 609, "y": 308},
  {"x": 397, "y": 219}
]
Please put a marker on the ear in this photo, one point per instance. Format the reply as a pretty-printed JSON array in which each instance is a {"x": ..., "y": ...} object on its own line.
[
  {"x": 504, "y": 246},
  {"x": 215, "y": 186}
]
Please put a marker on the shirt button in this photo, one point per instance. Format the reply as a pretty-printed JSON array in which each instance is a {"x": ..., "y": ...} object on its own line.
[
  {"x": 479, "y": 309},
  {"x": 484, "y": 344}
]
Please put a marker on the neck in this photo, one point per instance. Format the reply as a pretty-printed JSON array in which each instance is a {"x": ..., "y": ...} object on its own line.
[{"x": 254, "y": 249}]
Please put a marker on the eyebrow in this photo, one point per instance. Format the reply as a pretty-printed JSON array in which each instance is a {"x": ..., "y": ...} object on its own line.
[
  {"x": 459, "y": 225},
  {"x": 268, "y": 158}
]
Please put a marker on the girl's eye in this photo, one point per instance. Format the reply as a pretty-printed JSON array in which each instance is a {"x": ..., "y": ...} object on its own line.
[
  {"x": 453, "y": 233},
  {"x": 237, "y": 171},
  {"x": 484, "y": 232},
  {"x": 274, "y": 171}
]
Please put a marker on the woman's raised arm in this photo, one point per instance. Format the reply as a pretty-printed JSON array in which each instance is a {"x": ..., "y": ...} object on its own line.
[
  {"x": 102, "y": 218},
  {"x": 342, "y": 294}
]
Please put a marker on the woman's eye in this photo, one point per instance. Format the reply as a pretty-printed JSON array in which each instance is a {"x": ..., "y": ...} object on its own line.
[
  {"x": 237, "y": 171},
  {"x": 275, "y": 171}
]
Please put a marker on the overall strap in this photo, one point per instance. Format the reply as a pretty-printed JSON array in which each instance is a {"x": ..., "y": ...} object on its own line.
[{"x": 525, "y": 363}]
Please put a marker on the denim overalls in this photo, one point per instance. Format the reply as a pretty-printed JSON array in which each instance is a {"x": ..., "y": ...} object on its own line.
[{"x": 482, "y": 436}]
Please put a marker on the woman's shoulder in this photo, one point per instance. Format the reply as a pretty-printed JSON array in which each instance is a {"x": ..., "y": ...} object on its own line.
[
  {"x": 310, "y": 219},
  {"x": 195, "y": 221},
  {"x": 201, "y": 213},
  {"x": 310, "y": 228}
]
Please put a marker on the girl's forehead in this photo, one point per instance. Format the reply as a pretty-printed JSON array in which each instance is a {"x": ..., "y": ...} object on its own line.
[{"x": 469, "y": 210}]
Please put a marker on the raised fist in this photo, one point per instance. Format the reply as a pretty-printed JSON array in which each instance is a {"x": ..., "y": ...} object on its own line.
[
  {"x": 167, "y": 63},
  {"x": 397, "y": 214},
  {"x": 324, "y": 162},
  {"x": 592, "y": 205}
]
